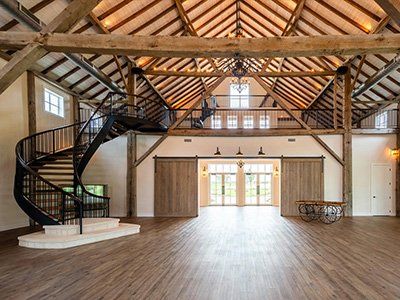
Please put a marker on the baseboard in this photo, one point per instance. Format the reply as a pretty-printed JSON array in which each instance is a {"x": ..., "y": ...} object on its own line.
[
  {"x": 146, "y": 215},
  {"x": 14, "y": 226}
]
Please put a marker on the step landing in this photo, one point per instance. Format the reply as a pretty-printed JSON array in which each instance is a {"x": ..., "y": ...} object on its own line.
[{"x": 67, "y": 236}]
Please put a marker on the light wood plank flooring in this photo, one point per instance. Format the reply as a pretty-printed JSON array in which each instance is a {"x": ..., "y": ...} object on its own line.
[{"x": 226, "y": 253}]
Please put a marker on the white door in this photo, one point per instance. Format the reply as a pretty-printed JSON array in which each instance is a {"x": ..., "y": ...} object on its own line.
[
  {"x": 222, "y": 189},
  {"x": 381, "y": 189}
]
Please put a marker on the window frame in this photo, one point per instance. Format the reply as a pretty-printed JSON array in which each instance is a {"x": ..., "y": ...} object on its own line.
[
  {"x": 228, "y": 123},
  {"x": 60, "y": 107},
  {"x": 243, "y": 99},
  {"x": 264, "y": 122},
  {"x": 248, "y": 122},
  {"x": 382, "y": 120},
  {"x": 216, "y": 122}
]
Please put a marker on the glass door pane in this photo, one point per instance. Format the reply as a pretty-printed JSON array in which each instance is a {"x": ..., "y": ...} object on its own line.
[
  {"x": 250, "y": 189},
  {"x": 230, "y": 189},
  {"x": 215, "y": 189},
  {"x": 265, "y": 190}
]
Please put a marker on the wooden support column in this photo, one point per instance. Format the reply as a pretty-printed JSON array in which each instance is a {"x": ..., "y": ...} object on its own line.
[
  {"x": 75, "y": 109},
  {"x": 31, "y": 119},
  {"x": 347, "y": 145},
  {"x": 31, "y": 103},
  {"x": 398, "y": 165},
  {"x": 335, "y": 112},
  {"x": 131, "y": 177}
]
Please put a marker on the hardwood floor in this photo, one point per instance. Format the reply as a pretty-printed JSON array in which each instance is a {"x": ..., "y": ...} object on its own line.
[{"x": 226, "y": 253}]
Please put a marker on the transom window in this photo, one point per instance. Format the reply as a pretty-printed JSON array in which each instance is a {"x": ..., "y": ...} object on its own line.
[
  {"x": 53, "y": 103},
  {"x": 258, "y": 168},
  {"x": 216, "y": 122},
  {"x": 381, "y": 120},
  {"x": 222, "y": 168},
  {"x": 232, "y": 122},
  {"x": 248, "y": 122},
  {"x": 239, "y": 99}
]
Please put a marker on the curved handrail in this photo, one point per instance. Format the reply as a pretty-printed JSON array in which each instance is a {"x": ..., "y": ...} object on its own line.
[
  {"x": 27, "y": 151},
  {"x": 77, "y": 146}
]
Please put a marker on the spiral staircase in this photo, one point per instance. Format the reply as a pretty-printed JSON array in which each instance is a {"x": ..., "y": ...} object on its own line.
[{"x": 48, "y": 182}]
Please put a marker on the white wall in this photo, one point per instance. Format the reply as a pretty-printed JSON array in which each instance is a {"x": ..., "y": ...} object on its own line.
[
  {"x": 44, "y": 119},
  {"x": 108, "y": 166},
  {"x": 273, "y": 146},
  {"x": 14, "y": 126},
  {"x": 369, "y": 149}
]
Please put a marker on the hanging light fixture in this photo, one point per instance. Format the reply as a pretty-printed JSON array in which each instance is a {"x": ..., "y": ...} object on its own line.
[
  {"x": 261, "y": 152},
  {"x": 217, "y": 153},
  {"x": 240, "y": 163},
  {"x": 239, "y": 153}
]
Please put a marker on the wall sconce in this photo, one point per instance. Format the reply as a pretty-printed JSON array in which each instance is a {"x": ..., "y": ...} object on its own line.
[
  {"x": 204, "y": 172},
  {"x": 394, "y": 152},
  {"x": 217, "y": 153},
  {"x": 239, "y": 153},
  {"x": 261, "y": 152},
  {"x": 276, "y": 172}
]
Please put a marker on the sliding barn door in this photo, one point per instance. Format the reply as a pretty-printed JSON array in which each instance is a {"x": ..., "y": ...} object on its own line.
[
  {"x": 175, "y": 187},
  {"x": 301, "y": 179}
]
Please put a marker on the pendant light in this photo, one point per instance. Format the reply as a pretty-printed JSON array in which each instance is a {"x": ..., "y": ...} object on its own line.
[
  {"x": 261, "y": 152},
  {"x": 217, "y": 153}
]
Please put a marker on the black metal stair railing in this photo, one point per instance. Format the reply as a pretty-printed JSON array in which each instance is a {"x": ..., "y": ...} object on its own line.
[
  {"x": 95, "y": 130},
  {"x": 93, "y": 205},
  {"x": 43, "y": 201},
  {"x": 48, "y": 203}
]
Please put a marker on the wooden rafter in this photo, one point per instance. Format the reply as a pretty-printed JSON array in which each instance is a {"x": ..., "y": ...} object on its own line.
[
  {"x": 34, "y": 50},
  {"x": 381, "y": 25},
  {"x": 390, "y": 9},
  {"x": 282, "y": 104},
  {"x": 288, "y": 30}
]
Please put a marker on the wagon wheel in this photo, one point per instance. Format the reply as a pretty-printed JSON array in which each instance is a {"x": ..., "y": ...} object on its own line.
[
  {"x": 328, "y": 214},
  {"x": 307, "y": 212},
  {"x": 339, "y": 211}
]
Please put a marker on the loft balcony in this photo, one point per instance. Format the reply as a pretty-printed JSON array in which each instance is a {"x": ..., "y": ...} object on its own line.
[{"x": 263, "y": 120}]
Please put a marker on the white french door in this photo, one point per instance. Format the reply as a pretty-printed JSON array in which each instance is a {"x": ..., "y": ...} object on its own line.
[
  {"x": 258, "y": 189},
  {"x": 223, "y": 189}
]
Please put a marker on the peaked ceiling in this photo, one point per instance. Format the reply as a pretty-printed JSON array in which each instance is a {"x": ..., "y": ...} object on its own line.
[{"x": 219, "y": 18}]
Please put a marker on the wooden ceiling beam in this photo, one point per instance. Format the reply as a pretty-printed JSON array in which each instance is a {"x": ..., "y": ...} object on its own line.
[
  {"x": 379, "y": 27},
  {"x": 184, "y": 46},
  {"x": 390, "y": 9},
  {"x": 34, "y": 50},
  {"x": 221, "y": 73},
  {"x": 34, "y": 9}
]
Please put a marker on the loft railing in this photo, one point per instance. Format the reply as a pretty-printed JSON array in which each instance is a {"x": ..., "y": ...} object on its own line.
[
  {"x": 143, "y": 108},
  {"x": 385, "y": 118},
  {"x": 256, "y": 118},
  {"x": 52, "y": 200}
]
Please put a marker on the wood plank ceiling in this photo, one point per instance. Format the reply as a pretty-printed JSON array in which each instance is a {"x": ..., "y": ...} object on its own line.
[{"x": 218, "y": 18}]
